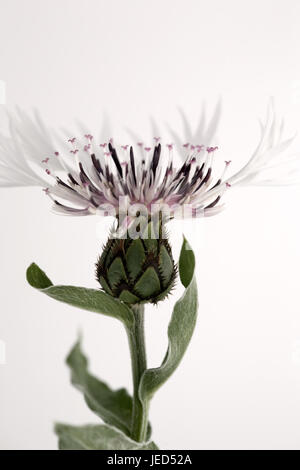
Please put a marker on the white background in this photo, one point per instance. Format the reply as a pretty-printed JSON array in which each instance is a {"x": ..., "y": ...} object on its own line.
[{"x": 238, "y": 385}]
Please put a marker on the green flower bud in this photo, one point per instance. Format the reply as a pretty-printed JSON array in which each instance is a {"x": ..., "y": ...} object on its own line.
[{"x": 137, "y": 270}]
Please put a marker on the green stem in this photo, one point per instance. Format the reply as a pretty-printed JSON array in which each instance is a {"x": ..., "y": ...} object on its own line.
[{"x": 139, "y": 364}]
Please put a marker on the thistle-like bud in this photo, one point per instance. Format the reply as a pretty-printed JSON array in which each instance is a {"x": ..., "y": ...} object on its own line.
[{"x": 137, "y": 270}]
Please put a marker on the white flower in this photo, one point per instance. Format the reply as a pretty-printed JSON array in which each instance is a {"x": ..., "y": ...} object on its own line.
[
  {"x": 83, "y": 176},
  {"x": 269, "y": 164}
]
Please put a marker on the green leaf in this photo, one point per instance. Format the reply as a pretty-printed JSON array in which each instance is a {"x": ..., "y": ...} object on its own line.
[
  {"x": 148, "y": 285},
  {"x": 88, "y": 299},
  {"x": 116, "y": 272},
  {"x": 186, "y": 263},
  {"x": 96, "y": 437},
  {"x": 37, "y": 278},
  {"x": 135, "y": 257},
  {"x": 113, "y": 406},
  {"x": 166, "y": 266},
  {"x": 180, "y": 329}
]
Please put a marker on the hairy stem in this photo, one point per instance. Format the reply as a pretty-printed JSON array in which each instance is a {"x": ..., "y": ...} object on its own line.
[{"x": 139, "y": 364}]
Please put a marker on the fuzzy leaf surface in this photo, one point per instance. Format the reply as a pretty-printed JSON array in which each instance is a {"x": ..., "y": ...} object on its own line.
[
  {"x": 113, "y": 406},
  {"x": 88, "y": 299},
  {"x": 96, "y": 437},
  {"x": 180, "y": 330}
]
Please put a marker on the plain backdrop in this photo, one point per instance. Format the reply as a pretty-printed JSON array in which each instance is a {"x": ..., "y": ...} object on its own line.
[{"x": 238, "y": 385}]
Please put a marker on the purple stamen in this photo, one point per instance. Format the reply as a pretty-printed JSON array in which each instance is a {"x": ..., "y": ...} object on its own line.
[{"x": 211, "y": 149}]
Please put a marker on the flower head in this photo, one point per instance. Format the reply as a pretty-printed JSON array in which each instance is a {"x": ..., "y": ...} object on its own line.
[
  {"x": 106, "y": 181},
  {"x": 83, "y": 176}
]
